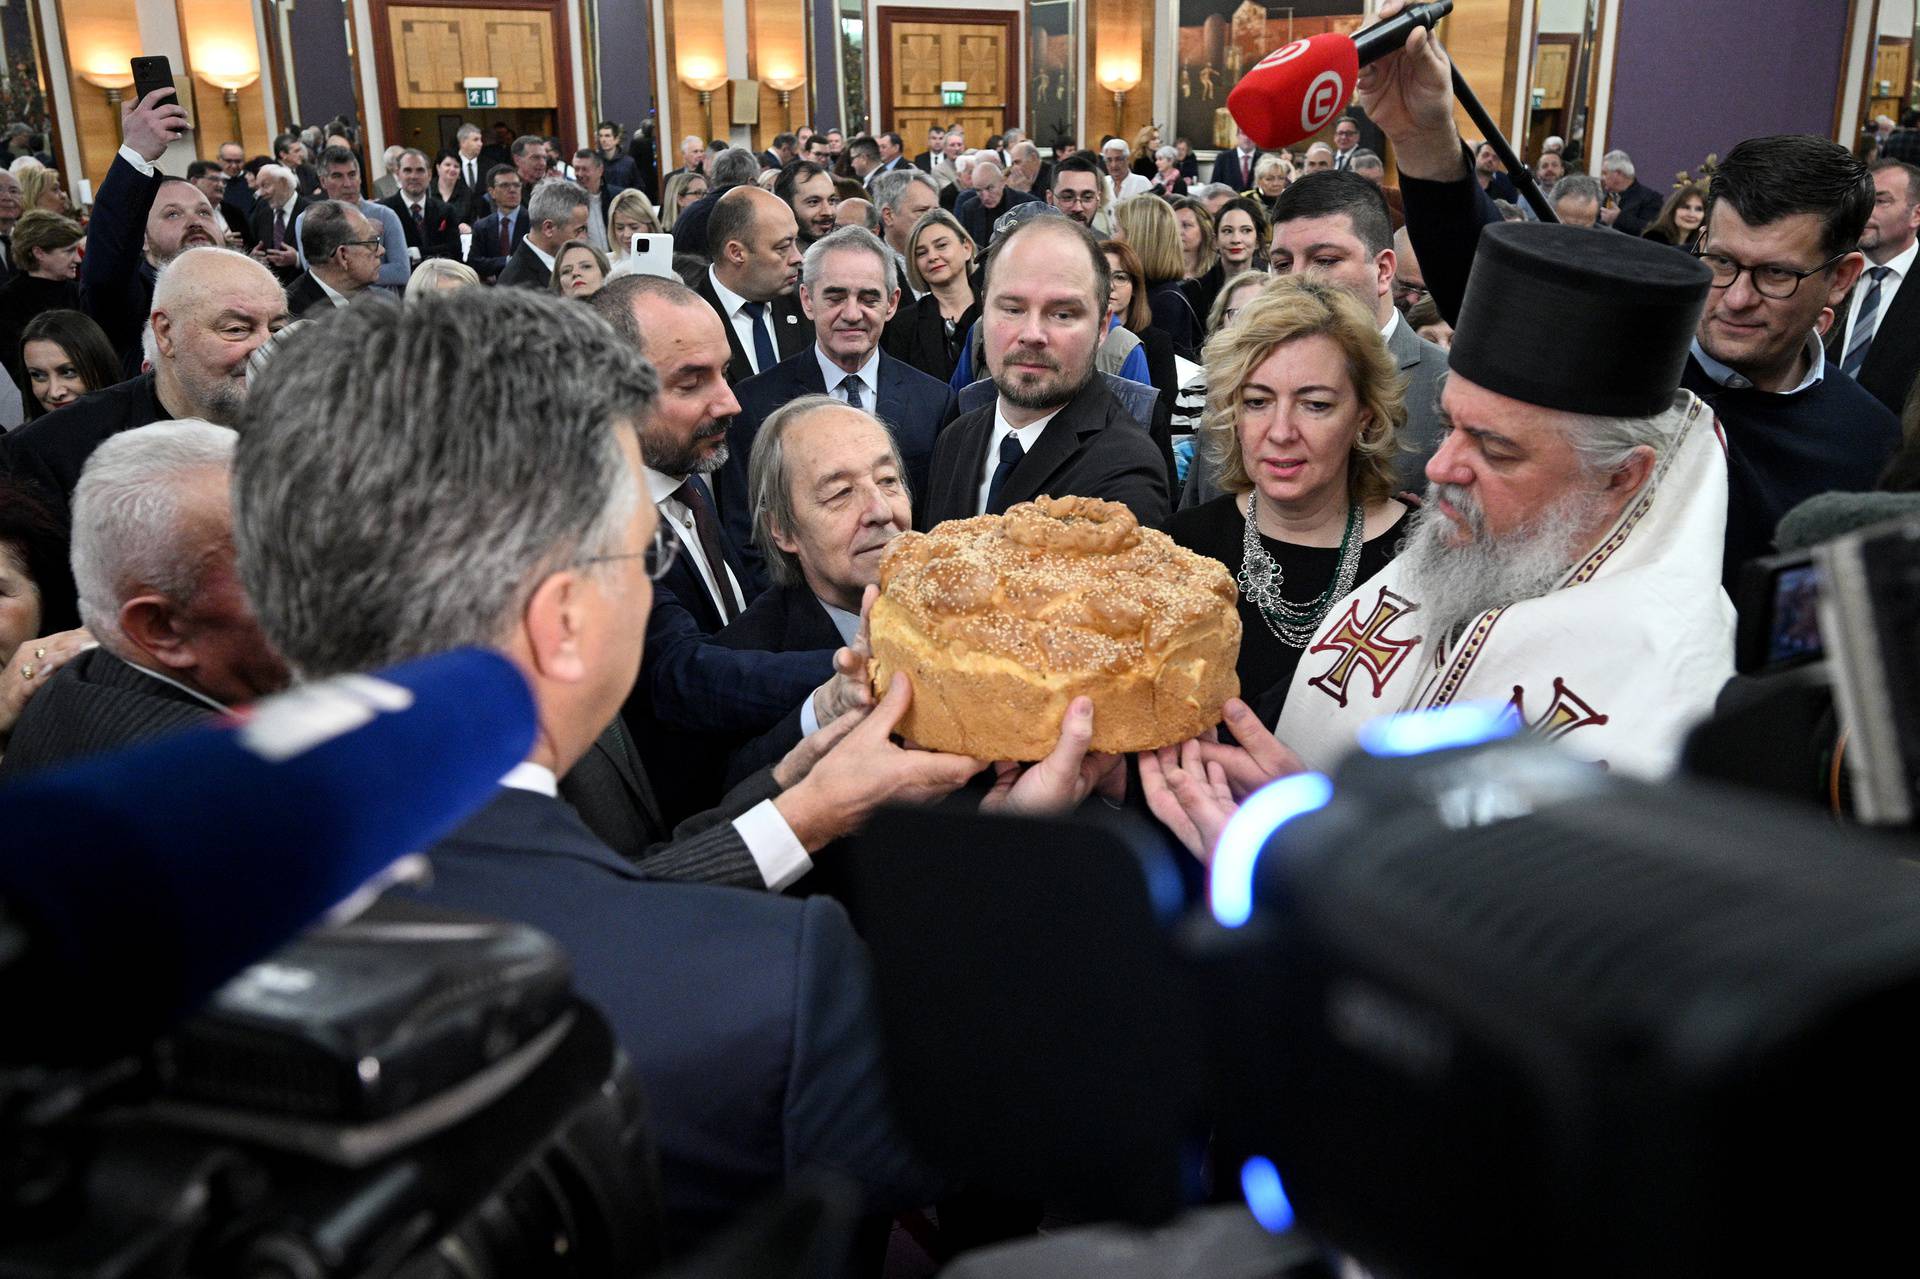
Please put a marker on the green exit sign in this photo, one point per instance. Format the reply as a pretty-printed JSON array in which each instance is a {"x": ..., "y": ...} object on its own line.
[{"x": 483, "y": 97}]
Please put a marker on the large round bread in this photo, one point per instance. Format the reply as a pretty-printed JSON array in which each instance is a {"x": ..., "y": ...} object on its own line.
[{"x": 1002, "y": 620}]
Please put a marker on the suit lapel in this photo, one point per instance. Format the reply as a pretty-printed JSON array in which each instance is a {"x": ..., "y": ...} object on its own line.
[
  {"x": 792, "y": 333},
  {"x": 1054, "y": 449},
  {"x": 619, "y": 750},
  {"x": 963, "y": 481},
  {"x": 740, "y": 364}
]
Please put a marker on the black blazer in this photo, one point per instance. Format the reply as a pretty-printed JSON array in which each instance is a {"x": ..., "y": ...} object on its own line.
[
  {"x": 1639, "y": 208},
  {"x": 484, "y": 255},
  {"x": 915, "y": 407},
  {"x": 443, "y": 226},
  {"x": 784, "y": 619},
  {"x": 792, "y": 331},
  {"x": 978, "y": 219},
  {"x": 524, "y": 270},
  {"x": 305, "y": 295},
  {"x": 917, "y": 336},
  {"x": 1228, "y": 169},
  {"x": 1894, "y": 358},
  {"x": 96, "y": 703},
  {"x": 1092, "y": 448},
  {"x": 748, "y": 1017},
  {"x": 260, "y": 231},
  {"x": 116, "y": 280},
  {"x": 54, "y": 447}
]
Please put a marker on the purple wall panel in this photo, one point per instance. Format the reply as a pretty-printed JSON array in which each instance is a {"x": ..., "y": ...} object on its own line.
[{"x": 323, "y": 74}]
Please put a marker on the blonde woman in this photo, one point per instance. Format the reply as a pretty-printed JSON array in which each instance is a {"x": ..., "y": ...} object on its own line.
[
  {"x": 1303, "y": 418},
  {"x": 579, "y": 269},
  {"x": 930, "y": 333},
  {"x": 683, "y": 189},
  {"x": 40, "y": 189},
  {"x": 630, "y": 214},
  {"x": 437, "y": 275},
  {"x": 1147, "y": 225},
  {"x": 1200, "y": 259}
]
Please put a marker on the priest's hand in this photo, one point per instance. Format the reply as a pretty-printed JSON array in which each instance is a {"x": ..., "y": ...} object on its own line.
[
  {"x": 851, "y": 687},
  {"x": 1257, "y": 759},
  {"x": 1059, "y": 782},
  {"x": 1409, "y": 94},
  {"x": 1188, "y": 794},
  {"x": 866, "y": 769},
  {"x": 150, "y": 125}
]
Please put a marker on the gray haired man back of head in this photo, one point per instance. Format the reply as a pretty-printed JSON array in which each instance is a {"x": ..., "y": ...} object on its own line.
[
  {"x": 394, "y": 508},
  {"x": 734, "y": 166}
]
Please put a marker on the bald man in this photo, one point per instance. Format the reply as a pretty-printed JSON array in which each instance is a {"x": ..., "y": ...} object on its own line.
[
  {"x": 211, "y": 309},
  {"x": 754, "y": 243}
]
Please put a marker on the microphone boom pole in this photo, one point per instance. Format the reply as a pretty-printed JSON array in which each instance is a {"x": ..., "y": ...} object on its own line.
[{"x": 1522, "y": 180}]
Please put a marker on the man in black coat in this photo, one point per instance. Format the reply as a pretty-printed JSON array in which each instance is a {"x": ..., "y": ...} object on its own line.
[
  {"x": 1053, "y": 427},
  {"x": 165, "y": 661},
  {"x": 752, "y": 281},
  {"x": 748, "y": 1018},
  {"x": 431, "y": 225},
  {"x": 1876, "y": 331},
  {"x": 1235, "y": 167},
  {"x": 989, "y": 197},
  {"x": 1631, "y": 206},
  {"x": 846, "y": 292},
  {"x": 556, "y": 214},
  {"x": 498, "y": 234},
  {"x": 276, "y": 208}
]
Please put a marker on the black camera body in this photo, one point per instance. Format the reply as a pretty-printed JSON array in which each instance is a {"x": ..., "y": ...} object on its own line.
[{"x": 409, "y": 1094}]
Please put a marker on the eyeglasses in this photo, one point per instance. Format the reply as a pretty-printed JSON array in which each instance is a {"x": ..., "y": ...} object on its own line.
[
  {"x": 1408, "y": 293},
  {"x": 365, "y": 244},
  {"x": 1776, "y": 282},
  {"x": 658, "y": 557}
]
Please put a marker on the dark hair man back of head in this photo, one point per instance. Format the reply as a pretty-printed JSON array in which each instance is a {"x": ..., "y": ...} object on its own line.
[
  {"x": 1319, "y": 195},
  {"x": 324, "y": 227},
  {"x": 1767, "y": 179}
]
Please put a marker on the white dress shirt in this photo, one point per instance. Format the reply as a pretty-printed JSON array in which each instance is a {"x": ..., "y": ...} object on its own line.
[
  {"x": 1733, "y": 381},
  {"x": 741, "y": 321},
  {"x": 868, "y": 375},
  {"x": 1028, "y": 435},
  {"x": 679, "y": 517},
  {"x": 194, "y": 693},
  {"x": 334, "y": 295},
  {"x": 470, "y": 170},
  {"x": 1899, "y": 267},
  {"x": 848, "y": 624}
]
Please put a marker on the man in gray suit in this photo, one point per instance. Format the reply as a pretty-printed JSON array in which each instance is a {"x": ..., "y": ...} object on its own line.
[{"x": 1336, "y": 224}]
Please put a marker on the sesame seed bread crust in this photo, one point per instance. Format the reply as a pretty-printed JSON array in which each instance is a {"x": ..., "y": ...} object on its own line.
[{"x": 1002, "y": 620}]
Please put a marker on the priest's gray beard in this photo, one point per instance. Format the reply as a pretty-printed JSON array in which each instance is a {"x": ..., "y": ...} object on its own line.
[{"x": 1453, "y": 584}]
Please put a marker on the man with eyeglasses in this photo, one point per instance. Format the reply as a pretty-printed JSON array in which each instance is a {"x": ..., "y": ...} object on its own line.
[
  {"x": 1077, "y": 188},
  {"x": 499, "y": 233},
  {"x": 343, "y": 258},
  {"x": 1784, "y": 220}
]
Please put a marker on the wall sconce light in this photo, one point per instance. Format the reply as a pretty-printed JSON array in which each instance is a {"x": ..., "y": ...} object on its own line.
[
  {"x": 116, "y": 80},
  {"x": 230, "y": 79},
  {"x": 785, "y": 82},
  {"x": 704, "y": 77},
  {"x": 1119, "y": 79}
]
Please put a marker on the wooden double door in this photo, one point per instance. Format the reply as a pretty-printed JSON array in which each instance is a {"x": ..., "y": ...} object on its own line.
[{"x": 920, "y": 48}]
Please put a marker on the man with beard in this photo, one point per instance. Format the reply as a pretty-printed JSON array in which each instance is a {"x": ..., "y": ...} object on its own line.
[
  {"x": 1053, "y": 427},
  {"x": 142, "y": 220},
  {"x": 1567, "y": 560},
  {"x": 808, "y": 190},
  {"x": 1078, "y": 189}
]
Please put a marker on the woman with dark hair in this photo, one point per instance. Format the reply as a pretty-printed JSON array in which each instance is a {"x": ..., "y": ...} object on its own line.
[
  {"x": 63, "y": 355},
  {"x": 39, "y": 619},
  {"x": 1240, "y": 235},
  {"x": 1304, "y": 409},
  {"x": 46, "y": 257},
  {"x": 1681, "y": 217},
  {"x": 446, "y": 181}
]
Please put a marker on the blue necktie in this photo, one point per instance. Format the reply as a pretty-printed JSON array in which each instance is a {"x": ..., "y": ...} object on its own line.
[
  {"x": 850, "y": 387},
  {"x": 1865, "y": 324},
  {"x": 1010, "y": 455},
  {"x": 763, "y": 356}
]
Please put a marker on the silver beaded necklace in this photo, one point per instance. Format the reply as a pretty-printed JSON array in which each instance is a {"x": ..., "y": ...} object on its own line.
[{"x": 1261, "y": 580}]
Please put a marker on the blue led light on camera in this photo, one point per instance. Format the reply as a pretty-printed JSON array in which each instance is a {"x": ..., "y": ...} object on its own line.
[
  {"x": 1260, "y": 1183},
  {"x": 1230, "y": 884},
  {"x": 1450, "y": 727}
]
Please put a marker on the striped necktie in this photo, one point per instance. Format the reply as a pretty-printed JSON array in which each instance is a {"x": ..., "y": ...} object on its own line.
[{"x": 1865, "y": 324}]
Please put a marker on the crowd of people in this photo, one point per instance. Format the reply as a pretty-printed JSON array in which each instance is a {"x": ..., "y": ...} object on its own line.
[{"x": 279, "y": 426}]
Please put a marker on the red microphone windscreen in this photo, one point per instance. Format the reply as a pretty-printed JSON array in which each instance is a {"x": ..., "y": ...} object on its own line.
[{"x": 1296, "y": 91}]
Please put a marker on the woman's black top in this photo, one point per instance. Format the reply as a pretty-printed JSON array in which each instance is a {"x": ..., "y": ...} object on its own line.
[
  {"x": 1203, "y": 289},
  {"x": 917, "y": 335},
  {"x": 22, "y": 298},
  {"x": 1266, "y": 665},
  {"x": 1173, "y": 315}
]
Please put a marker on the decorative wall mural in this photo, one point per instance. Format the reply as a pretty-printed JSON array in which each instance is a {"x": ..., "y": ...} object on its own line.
[
  {"x": 1220, "y": 40},
  {"x": 1051, "y": 93}
]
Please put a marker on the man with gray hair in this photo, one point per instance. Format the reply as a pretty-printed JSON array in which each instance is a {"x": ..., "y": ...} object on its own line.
[
  {"x": 556, "y": 213},
  {"x": 903, "y": 198},
  {"x": 857, "y": 212},
  {"x": 1576, "y": 201},
  {"x": 388, "y": 182},
  {"x": 212, "y": 308},
  {"x": 693, "y": 156},
  {"x": 847, "y": 290},
  {"x": 431, "y": 225},
  {"x": 153, "y": 560},
  {"x": 473, "y": 169},
  {"x": 1026, "y": 171},
  {"x": 981, "y": 207},
  {"x": 343, "y": 258},
  {"x": 747, "y": 1017},
  {"x": 1630, "y": 205},
  {"x": 276, "y": 204}
]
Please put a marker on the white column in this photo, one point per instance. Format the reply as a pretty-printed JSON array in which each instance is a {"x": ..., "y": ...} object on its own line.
[
  {"x": 160, "y": 33},
  {"x": 576, "y": 40},
  {"x": 733, "y": 20},
  {"x": 268, "y": 72},
  {"x": 1601, "y": 70},
  {"x": 362, "y": 33},
  {"x": 63, "y": 109}
]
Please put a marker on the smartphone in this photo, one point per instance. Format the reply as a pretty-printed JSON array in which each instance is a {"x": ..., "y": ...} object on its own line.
[
  {"x": 653, "y": 255},
  {"x": 150, "y": 73}
]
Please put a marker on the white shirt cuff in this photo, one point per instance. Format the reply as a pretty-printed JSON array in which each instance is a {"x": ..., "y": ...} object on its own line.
[
  {"x": 138, "y": 161},
  {"x": 809, "y": 719},
  {"x": 771, "y": 841}
]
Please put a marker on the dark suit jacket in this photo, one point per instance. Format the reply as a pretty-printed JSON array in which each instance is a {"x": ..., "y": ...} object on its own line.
[
  {"x": 792, "y": 331},
  {"x": 524, "y": 270},
  {"x": 748, "y": 1017},
  {"x": 1639, "y": 207},
  {"x": 96, "y": 703},
  {"x": 53, "y": 448},
  {"x": 116, "y": 280},
  {"x": 784, "y": 619},
  {"x": 1092, "y": 448},
  {"x": 915, "y": 407},
  {"x": 1894, "y": 358},
  {"x": 260, "y": 231},
  {"x": 978, "y": 219},
  {"x": 1228, "y": 169},
  {"x": 443, "y": 227},
  {"x": 917, "y": 335},
  {"x": 484, "y": 255},
  {"x": 305, "y": 294}
]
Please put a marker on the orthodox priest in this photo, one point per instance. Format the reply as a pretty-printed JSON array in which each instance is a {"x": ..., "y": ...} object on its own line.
[{"x": 1566, "y": 563}]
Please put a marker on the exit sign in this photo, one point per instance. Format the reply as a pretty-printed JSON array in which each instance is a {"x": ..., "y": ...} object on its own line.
[{"x": 483, "y": 97}]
